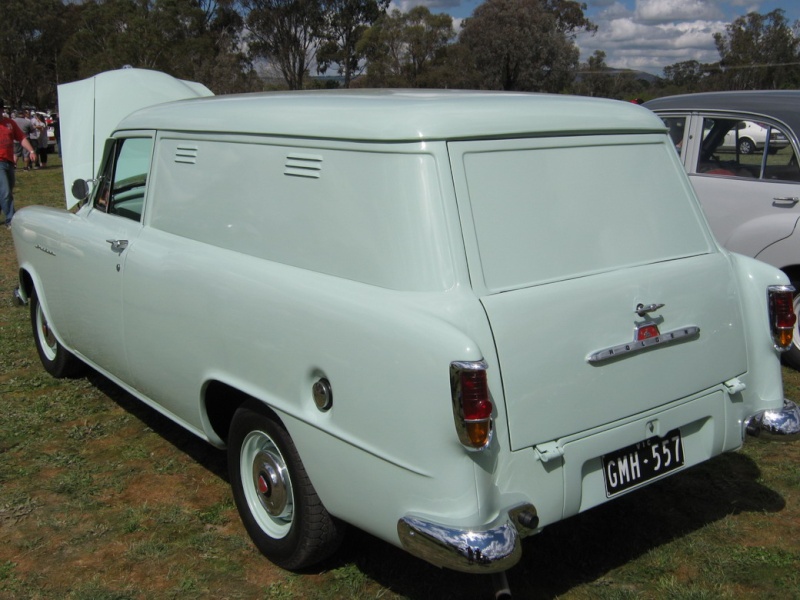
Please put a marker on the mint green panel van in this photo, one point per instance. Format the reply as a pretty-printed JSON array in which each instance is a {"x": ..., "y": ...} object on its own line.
[{"x": 447, "y": 318}]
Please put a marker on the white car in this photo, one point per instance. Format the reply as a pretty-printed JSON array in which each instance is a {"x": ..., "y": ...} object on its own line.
[
  {"x": 751, "y": 197},
  {"x": 751, "y": 136}
]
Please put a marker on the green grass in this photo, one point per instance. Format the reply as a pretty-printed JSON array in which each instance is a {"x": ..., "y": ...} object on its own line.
[{"x": 102, "y": 498}]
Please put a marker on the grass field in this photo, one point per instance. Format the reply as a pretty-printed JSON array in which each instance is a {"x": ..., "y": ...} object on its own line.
[{"x": 103, "y": 499}]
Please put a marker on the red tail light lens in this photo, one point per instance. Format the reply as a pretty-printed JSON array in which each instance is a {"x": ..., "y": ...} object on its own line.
[
  {"x": 781, "y": 315},
  {"x": 472, "y": 408}
]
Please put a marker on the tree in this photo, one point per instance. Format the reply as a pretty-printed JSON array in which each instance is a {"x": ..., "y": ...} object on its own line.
[
  {"x": 408, "y": 49},
  {"x": 686, "y": 74},
  {"x": 525, "y": 44},
  {"x": 346, "y": 22},
  {"x": 198, "y": 40},
  {"x": 29, "y": 46},
  {"x": 286, "y": 33},
  {"x": 759, "y": 52},
  {"x": 594, "y": 78}
]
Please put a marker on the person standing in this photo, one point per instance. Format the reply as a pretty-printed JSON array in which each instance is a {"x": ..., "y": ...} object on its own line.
[
  {"x": 24, "y": 123},
  {"x": 10, "y": 133},
  {"x": 57, "y": 132},
  {"x": 33, "y": 136},
  {"x": 40, "y": 144}
]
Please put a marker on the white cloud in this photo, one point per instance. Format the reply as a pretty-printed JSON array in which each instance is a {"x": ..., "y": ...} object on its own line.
[
  {"x": 664, "y": 11},
  {"x": 633, "y": 44}
]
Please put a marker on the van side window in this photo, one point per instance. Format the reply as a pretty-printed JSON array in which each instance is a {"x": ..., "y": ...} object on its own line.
[{"x": 124, "y": 179}]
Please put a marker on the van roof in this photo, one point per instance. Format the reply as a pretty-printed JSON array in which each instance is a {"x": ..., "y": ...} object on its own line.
[{"x": 395, "y": 115}]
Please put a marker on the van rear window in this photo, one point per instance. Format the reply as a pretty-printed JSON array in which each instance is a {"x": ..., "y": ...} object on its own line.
[{"x": 587, "y": 205}]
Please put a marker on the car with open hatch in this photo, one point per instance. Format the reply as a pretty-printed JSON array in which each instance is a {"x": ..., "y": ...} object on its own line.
[{"x": 425, "y": 326}]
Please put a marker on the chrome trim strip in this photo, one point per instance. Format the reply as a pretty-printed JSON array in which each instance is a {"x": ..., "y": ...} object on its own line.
[
  {"x": 634, "y": 346},
  {"x": 491, "y": 550}
]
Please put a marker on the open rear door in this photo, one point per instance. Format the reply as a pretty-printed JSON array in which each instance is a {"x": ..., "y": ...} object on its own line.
[{"x": 90, "y": 109}]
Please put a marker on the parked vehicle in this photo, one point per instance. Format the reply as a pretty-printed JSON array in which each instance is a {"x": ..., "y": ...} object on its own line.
[
  {"x": 402, "y": 309},
  {"x": 750, "y": 136},
  {"x": 749, "y": 196}
]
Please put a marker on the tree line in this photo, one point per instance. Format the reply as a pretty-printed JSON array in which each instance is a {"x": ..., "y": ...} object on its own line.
[{"x": 250, "y": 45}]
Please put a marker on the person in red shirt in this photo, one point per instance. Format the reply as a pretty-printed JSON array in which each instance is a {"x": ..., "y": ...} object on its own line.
[{"x": 9, "y": 133}]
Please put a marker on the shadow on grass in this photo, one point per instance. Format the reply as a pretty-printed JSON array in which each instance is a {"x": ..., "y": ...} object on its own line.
[
  {"x": 580, "y": 550},
  {"x": 213, "y": 459}
]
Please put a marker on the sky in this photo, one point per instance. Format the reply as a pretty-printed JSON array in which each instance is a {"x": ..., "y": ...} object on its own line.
[{"x": 645, "y": 35}]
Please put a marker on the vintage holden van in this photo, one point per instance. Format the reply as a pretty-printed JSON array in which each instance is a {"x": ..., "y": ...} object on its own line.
[{"x": 450, "y": 319}]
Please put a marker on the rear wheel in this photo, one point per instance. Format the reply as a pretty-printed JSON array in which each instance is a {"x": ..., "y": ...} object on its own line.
[
  {"x": 55, "y": 359},
  {"x": 746, "y": 146},
  {"x": 277, "y": 502}
]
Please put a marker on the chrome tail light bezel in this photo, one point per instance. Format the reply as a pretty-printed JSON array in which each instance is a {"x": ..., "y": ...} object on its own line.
[
  {"x": 463, "y": 424},
  {"x": 781, "y": 295}
]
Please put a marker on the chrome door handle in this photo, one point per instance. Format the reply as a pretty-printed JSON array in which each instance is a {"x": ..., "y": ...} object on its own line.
[
  {"x": 788, "y": 201},
  {"x": 118, "y": 245}
]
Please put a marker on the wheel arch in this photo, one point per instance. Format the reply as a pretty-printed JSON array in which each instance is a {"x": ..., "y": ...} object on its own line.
[
  {"x": 25, "y": 281},
  {"x": 222, "y": 400}
]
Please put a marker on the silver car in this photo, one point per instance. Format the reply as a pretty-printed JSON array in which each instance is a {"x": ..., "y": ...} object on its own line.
[{"x": 740, "y": 152}]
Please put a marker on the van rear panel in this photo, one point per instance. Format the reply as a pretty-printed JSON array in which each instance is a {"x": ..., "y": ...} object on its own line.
[{"x": 606, "y": 296}]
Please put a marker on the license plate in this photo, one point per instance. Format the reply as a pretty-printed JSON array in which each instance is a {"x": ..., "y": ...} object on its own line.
[{"x": 641, "y": 462}]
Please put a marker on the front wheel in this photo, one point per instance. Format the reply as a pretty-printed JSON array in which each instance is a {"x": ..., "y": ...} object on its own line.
[
  {"x": 55, "y": 359},
  {"x": 277, "y": 502}
]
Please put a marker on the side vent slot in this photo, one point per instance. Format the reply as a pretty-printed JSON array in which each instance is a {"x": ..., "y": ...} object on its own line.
[
  {"x": 303, "y": 165},
  {"x": 186, "y": 155}
]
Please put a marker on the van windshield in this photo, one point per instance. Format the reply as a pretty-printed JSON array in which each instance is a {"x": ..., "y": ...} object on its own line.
[{"x": 570, "y": 207}]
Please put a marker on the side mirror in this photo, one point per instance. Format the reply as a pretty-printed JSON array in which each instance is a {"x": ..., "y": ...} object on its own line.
[{"x": 80, "y": 189}]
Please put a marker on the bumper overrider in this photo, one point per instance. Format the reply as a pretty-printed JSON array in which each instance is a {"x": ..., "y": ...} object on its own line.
[
  {"x": 491, "y": 549},
  {"x": 18, "y": 298},
  {"x": 781, "y": 425}
]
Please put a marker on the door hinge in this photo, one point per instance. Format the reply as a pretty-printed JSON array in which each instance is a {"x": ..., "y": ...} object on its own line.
[
  {"x": 735, "y": 385},
  {"x": 549, "y": 451}
]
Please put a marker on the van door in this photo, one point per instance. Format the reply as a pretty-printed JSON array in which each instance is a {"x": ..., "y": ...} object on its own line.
[
  {"x": 578, "y": 246},
  {"x": 109, "y": 227}
]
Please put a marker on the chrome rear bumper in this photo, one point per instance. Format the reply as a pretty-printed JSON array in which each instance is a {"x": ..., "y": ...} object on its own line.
[
  {"x": 782, "y": 425},
  {"x": 492, "y": 549}
]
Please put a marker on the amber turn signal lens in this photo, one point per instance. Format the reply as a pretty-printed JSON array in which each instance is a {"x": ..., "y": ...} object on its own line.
[{"x": 478, "y": 433}]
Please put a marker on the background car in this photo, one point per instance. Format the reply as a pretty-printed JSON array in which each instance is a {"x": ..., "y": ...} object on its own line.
[
  {"x": 740, "y": 151},
  {"x": 750, "y": 136}
]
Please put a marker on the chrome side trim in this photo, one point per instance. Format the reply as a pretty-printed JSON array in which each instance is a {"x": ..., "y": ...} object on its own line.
[
  {"x": 489, "y": 550},
  {"x": 634, "y": 346},
  {"x": 779, "y": 425}
]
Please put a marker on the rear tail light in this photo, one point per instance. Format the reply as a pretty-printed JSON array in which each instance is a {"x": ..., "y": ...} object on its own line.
[
  {"x": 472, "y": 408},
  {"x": 781, "y": 315}
]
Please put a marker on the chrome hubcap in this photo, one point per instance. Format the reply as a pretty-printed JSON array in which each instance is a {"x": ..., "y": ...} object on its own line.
[
  {"x": 267, "y": 484},
  {"x": 270, "y": 483}
]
